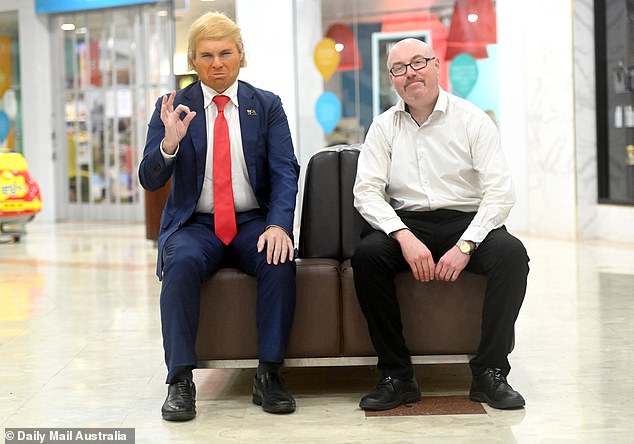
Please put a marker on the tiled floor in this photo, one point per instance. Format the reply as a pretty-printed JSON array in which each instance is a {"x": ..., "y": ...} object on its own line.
[{"x": 80, "y": 346}]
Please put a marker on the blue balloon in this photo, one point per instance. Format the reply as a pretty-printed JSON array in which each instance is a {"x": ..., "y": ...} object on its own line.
[
  {"x": 5, "y": 125},
  {"x": 328, "y": 111},
  {"x": 463, "y": 73}
]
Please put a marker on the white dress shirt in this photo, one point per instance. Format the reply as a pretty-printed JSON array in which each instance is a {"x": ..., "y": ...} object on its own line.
[
  {"x": 452, "y": 161},
  {"x": 243, "y": 196}
]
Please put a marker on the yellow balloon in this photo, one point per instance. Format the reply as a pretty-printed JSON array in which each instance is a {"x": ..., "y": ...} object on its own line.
[{"x": 326, "y": 57}]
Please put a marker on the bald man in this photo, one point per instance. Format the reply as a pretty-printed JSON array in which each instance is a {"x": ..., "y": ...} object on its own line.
[{"x": 434, "y": 185}]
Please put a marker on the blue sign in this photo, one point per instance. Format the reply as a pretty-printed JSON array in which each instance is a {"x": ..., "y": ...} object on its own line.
[{"x": 54, "y": 6}]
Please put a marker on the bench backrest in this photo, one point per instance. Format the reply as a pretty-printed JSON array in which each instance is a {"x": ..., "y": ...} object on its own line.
[{"x": 330, "y": 225}]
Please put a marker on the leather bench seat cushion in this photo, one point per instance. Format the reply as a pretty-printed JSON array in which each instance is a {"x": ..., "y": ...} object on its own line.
[
  {"x": 439, "y": 318},
  {"x": 227, "y": 327}
]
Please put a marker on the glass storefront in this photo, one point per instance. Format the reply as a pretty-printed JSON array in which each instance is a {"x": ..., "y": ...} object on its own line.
[
  {"x": 348, "y": 55},
  {"x": 615, "y": 100},
  {"x": 351, "y": 58},
  {"x": 10, "y": 101},
  {"x": 111, "y": 65}
]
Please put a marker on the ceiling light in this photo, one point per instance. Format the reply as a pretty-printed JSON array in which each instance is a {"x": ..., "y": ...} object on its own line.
[{"x": 67, "y": 27}]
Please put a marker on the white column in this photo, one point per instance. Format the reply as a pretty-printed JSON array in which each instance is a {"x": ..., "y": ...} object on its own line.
[
  {"x": 37, "y": 114},
  {"x": 310, "y": 82},
  {"x": 548, "y": 112},
  {"x": 511, "y": 41},
  {"x": 585, "y": 118},
  {"x": 269, "y": 42},
  {"x": 280, "y": 59}
]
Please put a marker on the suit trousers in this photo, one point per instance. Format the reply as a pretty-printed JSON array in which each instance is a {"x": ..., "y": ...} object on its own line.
[
  {"x": 191, "y": 255},
  {"x": 501, "y": 257}
]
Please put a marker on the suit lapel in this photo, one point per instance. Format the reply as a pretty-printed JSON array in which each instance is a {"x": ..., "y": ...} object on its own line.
[
  {"x": 250, "y": 117},
  {"x": 198, "y": 128}
]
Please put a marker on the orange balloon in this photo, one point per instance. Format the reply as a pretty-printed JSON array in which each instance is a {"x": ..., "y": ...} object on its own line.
[{"x": 326, "y": 57}]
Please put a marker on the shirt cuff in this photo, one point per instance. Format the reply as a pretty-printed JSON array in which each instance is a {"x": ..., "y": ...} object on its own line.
[
  {"x": 475, "y": 234},
  {"x": 393, "y": 225},
  {"x": 168, "y": 157}
]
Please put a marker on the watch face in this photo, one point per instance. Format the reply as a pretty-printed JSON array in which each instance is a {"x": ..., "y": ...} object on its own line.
[{"x": 465, "y": 247}]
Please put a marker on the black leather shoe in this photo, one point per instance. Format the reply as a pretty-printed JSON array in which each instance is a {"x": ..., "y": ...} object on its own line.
[
  {"x": 180, "y": 404},
  {"x": 390, "y": 393},
  {"x": 270, "y": 393},
  {"x": 491, "y": 387}
]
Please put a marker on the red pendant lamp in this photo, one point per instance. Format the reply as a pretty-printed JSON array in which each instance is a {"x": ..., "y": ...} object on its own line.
[
  {"x": 346, "y": 45},
  {"x": 473, "y": 27}
]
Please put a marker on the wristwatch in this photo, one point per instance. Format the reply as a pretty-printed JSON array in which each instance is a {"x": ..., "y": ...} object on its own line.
[{"x": 467, "y": 247}]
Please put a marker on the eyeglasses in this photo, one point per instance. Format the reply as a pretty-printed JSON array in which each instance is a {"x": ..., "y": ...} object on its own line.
[{"x": 418, "y": 64}]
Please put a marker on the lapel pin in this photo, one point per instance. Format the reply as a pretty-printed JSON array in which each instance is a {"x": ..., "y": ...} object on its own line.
[{"x": 251, "y": 112}]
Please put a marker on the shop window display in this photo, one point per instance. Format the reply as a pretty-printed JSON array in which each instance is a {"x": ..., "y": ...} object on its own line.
[
  {"x": 20, "y": 198},
  {"x": 614, "y": 31},
  {"x": 356, "y": 85},
  {"x": 10, "y": 94},
  {"x": 113, "y": 63}
]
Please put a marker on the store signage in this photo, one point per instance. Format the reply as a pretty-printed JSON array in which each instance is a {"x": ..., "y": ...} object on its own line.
[{"x": 55, "y": 6}]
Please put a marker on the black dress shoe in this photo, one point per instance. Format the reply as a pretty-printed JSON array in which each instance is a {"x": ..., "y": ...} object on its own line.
[
  {"x": 491, "y": 387},
  {"x": 180, "y": 404},
  {"x": 390, "y": 393},
  {"x": 270, "y": 393}
]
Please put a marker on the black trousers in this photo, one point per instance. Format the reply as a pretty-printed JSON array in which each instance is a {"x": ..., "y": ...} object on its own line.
[{"x": 501, "y": 257}]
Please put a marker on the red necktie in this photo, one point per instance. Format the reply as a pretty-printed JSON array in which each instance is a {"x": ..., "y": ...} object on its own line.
[{"x": 224, "y": 212}]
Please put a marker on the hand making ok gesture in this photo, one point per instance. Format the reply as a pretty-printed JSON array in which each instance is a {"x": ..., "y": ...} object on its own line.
[{"x": 175, "y": 127}]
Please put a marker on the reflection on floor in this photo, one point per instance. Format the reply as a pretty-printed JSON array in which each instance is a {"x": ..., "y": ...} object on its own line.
[{"x": 80, "y": 346}]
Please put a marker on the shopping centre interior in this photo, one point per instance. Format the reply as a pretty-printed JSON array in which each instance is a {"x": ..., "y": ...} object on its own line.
[{"x": 80, "y": 333}]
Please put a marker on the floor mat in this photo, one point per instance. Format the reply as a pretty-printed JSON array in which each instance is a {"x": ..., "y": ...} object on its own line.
[{"x": 435, "y": 405}]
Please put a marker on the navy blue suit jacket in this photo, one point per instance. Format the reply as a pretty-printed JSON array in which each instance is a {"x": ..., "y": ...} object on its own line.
[{"x": 268, "y": 150}]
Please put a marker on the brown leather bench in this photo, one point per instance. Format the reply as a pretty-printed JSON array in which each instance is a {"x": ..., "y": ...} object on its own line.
[{"x": 441, "y": 320}]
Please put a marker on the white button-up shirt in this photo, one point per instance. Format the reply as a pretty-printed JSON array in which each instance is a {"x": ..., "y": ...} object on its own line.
[
  {"x": 243, "y": 195},
  {"x": 452, "y": 161}
]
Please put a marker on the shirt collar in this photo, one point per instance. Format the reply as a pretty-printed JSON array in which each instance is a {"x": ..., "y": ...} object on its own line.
[
  {"x": 209, "y": 94},
  {"x": 442, "y": 102}
]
